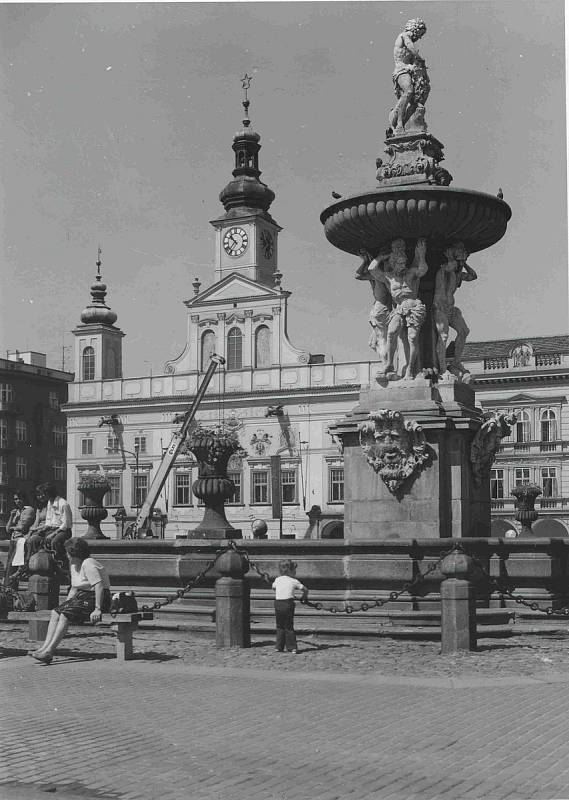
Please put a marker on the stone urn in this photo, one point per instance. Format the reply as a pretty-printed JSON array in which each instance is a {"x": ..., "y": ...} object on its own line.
[
  {"x": 94, "y": 488},
  {"x": 526, "y": 514},
  {"x": 213, "y": 447}
]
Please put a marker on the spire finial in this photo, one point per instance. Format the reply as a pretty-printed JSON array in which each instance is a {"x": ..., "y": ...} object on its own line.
[
  {"x": 98, "y": 263},
  {"x": 246, "y": 83}
]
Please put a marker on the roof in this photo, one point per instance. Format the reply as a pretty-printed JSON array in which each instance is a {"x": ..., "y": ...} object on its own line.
[{"x": 503, "y": 347}]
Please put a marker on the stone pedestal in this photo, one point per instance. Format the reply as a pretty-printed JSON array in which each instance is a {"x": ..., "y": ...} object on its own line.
[
  {"x": 458, "y": 605},
  {"x": 439, "y": 498},
  {"x": 232, "y": 602}
]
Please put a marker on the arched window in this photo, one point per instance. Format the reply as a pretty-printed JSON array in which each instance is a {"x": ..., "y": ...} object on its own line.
[
  {"x": 208, "y": 348},
  {"x": 523, "y": 429},
  {"x": 234, "y": 349},
  {"x": 548, "y": 426},
  {"x": 88, "y": 364},
  {"x": 262, "y": 347}
]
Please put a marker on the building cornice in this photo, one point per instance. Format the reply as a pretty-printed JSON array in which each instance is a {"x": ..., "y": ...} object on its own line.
[{"x": 270, "y": 397}]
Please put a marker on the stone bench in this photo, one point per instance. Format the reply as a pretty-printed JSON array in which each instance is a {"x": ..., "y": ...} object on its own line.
[{"x": 123, "y": 625}]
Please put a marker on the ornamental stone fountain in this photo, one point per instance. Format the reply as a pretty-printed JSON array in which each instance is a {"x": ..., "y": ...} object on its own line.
[{"x": 417, "y": 451}]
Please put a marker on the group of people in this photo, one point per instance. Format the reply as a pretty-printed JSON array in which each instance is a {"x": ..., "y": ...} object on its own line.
[
  {"x": 45, "y": 526},
  {"x": 49, "y": 526}
]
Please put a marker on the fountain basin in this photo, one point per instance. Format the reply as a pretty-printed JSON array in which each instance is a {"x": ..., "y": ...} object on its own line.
[{"x": 373, "y": 219}]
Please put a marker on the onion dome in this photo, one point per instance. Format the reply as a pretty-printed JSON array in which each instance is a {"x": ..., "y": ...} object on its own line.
[
  {"x": 246, "y": 191},
  {"x": 98, "y": 312}
]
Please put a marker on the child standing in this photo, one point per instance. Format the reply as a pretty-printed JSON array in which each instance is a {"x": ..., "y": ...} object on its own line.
[{"x": 285, "y": 586}]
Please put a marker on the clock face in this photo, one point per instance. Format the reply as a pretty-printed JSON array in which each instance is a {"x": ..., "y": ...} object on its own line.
[
  {"x": 267, "y": 244},
  {"x": 235, "y": 241}
]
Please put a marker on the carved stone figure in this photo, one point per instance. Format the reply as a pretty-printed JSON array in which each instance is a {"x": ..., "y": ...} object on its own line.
[
  {"x": 447, "y": 315},
  {"x": 379, "y": 314},
  {"x": 261, "y": 442},
  {"x": 411, "y": 81},
  {"x": 495, "y": 425},
  {"x": 396, "y": 448},
  {"x": 522, "y": 355},
  {"x": 408, "y": 312}
]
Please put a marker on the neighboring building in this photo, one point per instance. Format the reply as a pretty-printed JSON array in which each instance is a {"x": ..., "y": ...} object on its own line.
[
  {"x": 33, "y": 436},
  {"x": 123, "y": 425}
]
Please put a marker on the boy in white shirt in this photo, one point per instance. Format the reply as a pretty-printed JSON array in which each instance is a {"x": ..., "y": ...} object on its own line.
[{"x": 285, "y": 586}]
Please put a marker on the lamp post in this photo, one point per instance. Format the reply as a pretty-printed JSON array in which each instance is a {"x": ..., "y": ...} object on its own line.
[
  {"x": 134, "y": 453},
  {"x": 302, "y": 476}
]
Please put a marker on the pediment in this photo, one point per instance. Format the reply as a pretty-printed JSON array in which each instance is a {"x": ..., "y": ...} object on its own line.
[
  {"x": 522, "y": 399},
  {"x": 233, "y": 287}
]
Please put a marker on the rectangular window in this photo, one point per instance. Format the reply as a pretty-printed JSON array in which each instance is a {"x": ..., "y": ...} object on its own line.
[
  {"x": 260, "y": 486},
  {"x": 183, "y": 489},
  {"x": 3, "y": 504},
  {"x": 86, "y": 447},
  {"x": 236, "y": 478},
  {"x": 54, "y": 400},
  {"x": 549, "y": 481},
  {"x": 59, "y": 435},
  {"x": 288, "y": 483},
  {"x": 336, "y": 485},
  {"x": 139, "y": 489},
  {"x": 3, "y": 469},
  {"x": 59, "y": 470},
  {"x": 521, "y": 476},
  {"x": 3, "y": 433},
  {"x": 497, "y": 484},
  {"x": 140, "y": 443},
  {"x": 6, "y": 392},
  {"x": 114, "y": 496},
  {"x": 113, "y": 445},
  {"x": 21, "y": 467}
]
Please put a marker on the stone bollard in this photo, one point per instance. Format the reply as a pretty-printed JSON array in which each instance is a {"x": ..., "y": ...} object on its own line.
[
  {"x": 44, "y": 585},
  {"x": 458, "y": 604},
  {"x": 232, "y": 608}
]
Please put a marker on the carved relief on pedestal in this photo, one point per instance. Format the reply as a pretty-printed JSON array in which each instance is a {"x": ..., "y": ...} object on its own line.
[
  {"x": 396, "y": 448},
  {"x": 495, "y": 425}
]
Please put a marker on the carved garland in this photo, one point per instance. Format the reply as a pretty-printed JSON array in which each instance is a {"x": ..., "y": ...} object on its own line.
[{"x": 394, "y": 447}]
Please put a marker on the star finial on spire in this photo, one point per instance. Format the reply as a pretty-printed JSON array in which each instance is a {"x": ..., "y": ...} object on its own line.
[
  {"x": 98, "y": 262},
  {"x": 246, "y": 83}
]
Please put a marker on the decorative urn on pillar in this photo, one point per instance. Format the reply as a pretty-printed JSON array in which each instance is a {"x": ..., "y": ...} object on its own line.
[
  {"x": 526, "y": 514},
  {"x": 94, "y": 488},
  {"x": 213, "y": 447}
]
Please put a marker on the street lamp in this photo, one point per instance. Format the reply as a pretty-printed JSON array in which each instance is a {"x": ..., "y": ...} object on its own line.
[
  {"x": 302, "y": 476},
  {"x": 134, "y": 453}
]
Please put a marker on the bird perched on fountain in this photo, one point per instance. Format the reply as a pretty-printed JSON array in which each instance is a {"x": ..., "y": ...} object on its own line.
[
  {"x": 336, "y": 196},
  {"x": 500, "y": 194}
]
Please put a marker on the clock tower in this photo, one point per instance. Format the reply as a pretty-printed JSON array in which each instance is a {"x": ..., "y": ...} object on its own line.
[{"x": 246, "y": 235}]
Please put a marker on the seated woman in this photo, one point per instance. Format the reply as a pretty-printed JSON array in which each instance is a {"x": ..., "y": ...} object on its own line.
[
  {"x": 18, "y": 526},
  {"x": 89, "y": 596}
]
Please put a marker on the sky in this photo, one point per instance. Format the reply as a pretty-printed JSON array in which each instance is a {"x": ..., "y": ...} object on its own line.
[{"x": 117, "y": 122}]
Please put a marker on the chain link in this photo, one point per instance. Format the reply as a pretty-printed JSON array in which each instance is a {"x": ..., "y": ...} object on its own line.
[
  {"x": 504, "y": 590},
  {"x": 179, "y": 593},
  {"x": 350, "y": 608}
]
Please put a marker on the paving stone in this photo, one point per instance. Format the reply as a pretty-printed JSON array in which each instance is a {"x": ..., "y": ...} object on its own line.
[{"x": 370, "y": 719}]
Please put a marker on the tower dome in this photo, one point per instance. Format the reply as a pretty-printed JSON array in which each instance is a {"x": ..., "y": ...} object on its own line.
[
  {"x": 246, "y": 191},
  {"x": 98, "y": 312}
]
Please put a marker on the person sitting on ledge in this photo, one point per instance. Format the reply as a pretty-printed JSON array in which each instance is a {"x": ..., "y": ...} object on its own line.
[
  {"x": 57, "y": 528},
  {"x": 18, "y": 526},
  {"x": 88, "y": 598}
]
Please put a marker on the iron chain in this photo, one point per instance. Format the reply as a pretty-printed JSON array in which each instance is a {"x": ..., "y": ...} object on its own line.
[{"x": 503, "y": 589}]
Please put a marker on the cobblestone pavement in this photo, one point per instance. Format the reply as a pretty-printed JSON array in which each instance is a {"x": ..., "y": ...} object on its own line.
[{"x": 366, "y": 720}]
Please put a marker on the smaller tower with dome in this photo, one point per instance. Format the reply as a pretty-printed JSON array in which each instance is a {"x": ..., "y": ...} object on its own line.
[
  {"x": 98, "y": 342},
  {"x": 246, "y": 240}
]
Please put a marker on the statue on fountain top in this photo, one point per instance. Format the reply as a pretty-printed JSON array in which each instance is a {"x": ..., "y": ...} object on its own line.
[{"x": 411, "y": 81}]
